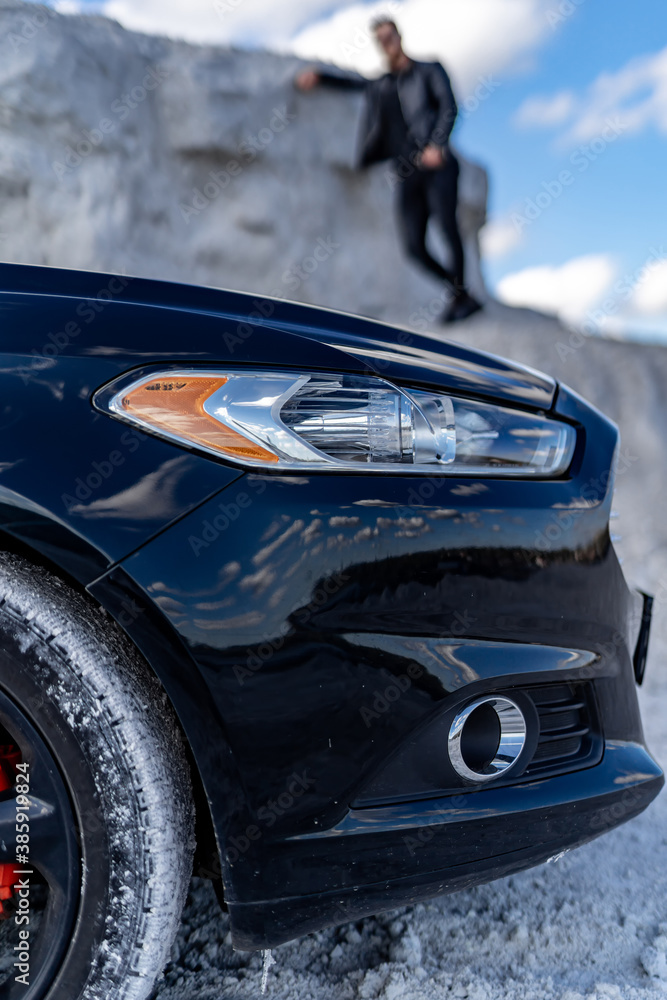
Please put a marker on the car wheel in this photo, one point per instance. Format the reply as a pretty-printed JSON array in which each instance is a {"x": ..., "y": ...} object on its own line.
[{"x": 96, "y": 810}]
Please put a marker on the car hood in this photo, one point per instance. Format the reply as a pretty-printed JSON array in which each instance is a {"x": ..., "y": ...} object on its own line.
[{"x": 256, "y": 329}]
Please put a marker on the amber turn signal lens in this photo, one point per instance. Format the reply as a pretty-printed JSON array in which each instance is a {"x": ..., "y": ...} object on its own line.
[{"x": 176, "y": 407}]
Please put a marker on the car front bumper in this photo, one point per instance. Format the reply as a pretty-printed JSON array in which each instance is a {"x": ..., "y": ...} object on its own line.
[{"x": 444, "y": 845}]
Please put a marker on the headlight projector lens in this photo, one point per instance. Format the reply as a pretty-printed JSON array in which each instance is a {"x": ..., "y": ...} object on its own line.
[{"x": 486, "y": 739}]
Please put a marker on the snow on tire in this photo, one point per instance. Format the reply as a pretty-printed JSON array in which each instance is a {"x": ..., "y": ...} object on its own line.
[{"x": 88, "y": 716}]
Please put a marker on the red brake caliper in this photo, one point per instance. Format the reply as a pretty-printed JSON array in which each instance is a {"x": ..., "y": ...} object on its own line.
[{"x": 9, "y": 758}]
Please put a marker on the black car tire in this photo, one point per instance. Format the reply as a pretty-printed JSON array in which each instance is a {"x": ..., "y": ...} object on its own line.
[{"x": 68, "y": 674}]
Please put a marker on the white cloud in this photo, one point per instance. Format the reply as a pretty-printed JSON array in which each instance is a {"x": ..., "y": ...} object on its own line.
[
  {"x": 475, "y": 40},
  {"x": 591, "y": 294},
  {"x": 571, "y": 291},
  {"x": 546, "y": 112},
  {"x": 243, "y": 22},
  {"x": 499, "y": 237},
  {"x": 650, "y": 294},
  {"x": 635, "y": 96}
]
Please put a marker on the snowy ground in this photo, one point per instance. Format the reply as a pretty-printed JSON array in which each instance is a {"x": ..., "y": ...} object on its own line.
[{"x": 592, "y": 926}]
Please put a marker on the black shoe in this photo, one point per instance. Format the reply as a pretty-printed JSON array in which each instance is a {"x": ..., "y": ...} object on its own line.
[{"x": 462, "y": 307}]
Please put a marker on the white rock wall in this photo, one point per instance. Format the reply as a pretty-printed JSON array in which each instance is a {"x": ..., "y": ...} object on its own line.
[{"x": 131, "y": 153}]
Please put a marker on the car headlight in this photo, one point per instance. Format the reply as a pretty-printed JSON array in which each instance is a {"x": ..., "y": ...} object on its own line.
[{"x": 298, "y": 421}]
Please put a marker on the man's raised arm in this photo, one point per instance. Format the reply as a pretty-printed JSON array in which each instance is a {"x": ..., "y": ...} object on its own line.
[{"x": 309, "y": 79}]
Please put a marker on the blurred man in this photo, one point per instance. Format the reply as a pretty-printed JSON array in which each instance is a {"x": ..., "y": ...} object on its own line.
[{"x": 410, "y": 113}]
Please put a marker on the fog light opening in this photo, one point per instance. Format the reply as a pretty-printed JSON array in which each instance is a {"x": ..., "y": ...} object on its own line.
[{"x": 486, "y": 739}]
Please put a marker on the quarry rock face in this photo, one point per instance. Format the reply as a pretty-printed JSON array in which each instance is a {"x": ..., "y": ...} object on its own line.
[{"x": 124, "y": 152}]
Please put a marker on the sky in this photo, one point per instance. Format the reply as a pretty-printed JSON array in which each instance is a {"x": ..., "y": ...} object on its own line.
[{"x": 563, "y": 101}]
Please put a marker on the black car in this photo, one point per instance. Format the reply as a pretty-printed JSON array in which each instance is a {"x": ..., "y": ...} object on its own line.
[{"x": 308, "y": 605}]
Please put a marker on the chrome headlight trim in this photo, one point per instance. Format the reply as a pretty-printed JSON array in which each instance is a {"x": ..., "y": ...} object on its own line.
[{"x": 298, "y": 421}]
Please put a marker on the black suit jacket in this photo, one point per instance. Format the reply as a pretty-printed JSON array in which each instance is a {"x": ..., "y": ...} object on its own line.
[{"x": 427, "y": 101}]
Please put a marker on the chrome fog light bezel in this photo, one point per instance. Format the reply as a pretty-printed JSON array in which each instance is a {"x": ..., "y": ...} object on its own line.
[{"x": 512, "y": 741}]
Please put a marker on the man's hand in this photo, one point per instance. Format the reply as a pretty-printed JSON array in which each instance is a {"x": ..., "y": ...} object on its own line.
[
  {"x": 433, "y": 158},
  {"x": 307, "y": 80}
]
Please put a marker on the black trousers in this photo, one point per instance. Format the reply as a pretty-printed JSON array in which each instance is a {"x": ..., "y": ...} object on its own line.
[{"x": 432, "y": 193}]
